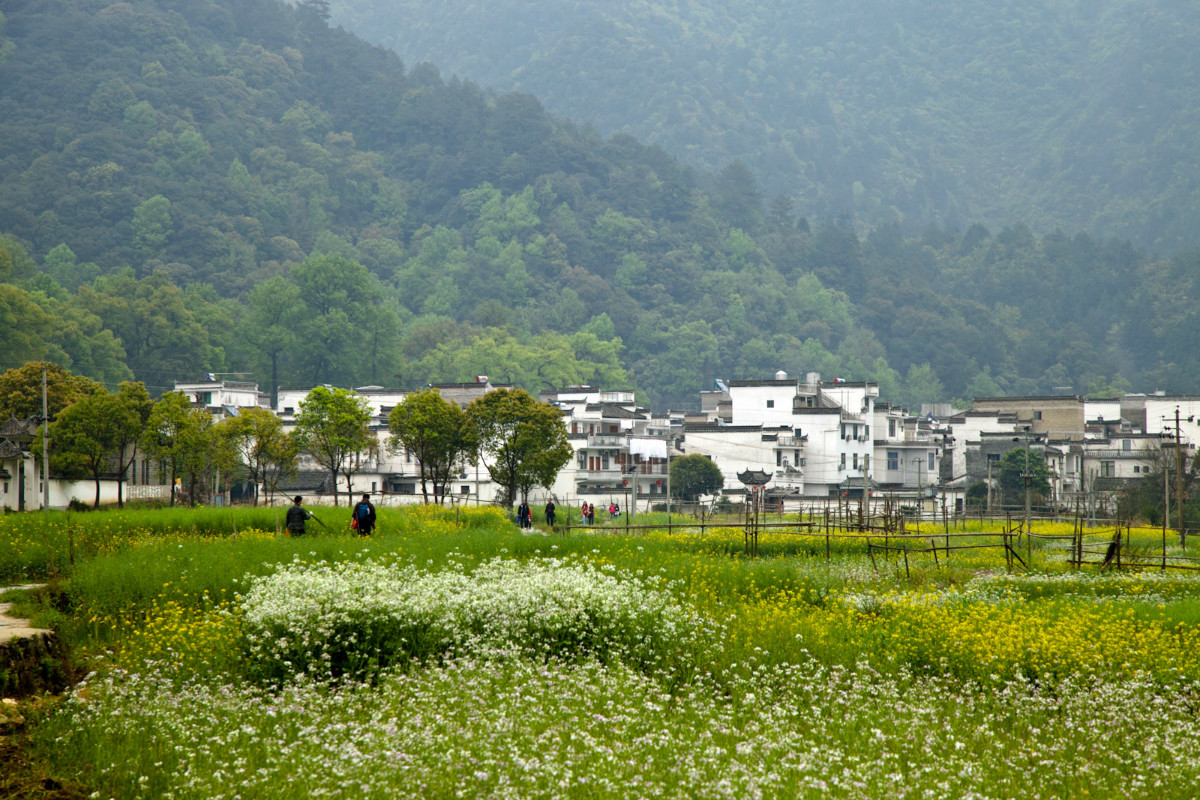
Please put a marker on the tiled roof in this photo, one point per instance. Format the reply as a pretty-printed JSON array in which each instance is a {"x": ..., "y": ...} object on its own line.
[{"x": 306, "y": 481}]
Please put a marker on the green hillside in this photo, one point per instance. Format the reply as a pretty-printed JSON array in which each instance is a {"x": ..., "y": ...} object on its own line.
[
  {"x": 232, "y": 186},
  {"x": 1054, "y": 113}
]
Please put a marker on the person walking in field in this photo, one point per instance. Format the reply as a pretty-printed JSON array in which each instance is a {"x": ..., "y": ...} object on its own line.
[
  {"x": 296, "y": 517},
  {"x": 591, "y": 514},
  {"x": 550, "y": 513},
  {"x": 363, "y": 516}
]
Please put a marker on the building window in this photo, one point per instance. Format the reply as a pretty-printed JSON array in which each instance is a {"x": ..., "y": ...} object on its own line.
[
  {"x": 1136, "y": 469},
  {"x": 1126, "y": 445},
  {"x": 932, "y": 461},
  {"x": 465, "y": 490},
  {"x": 856, "y": 461},
  {"x": 893, "y": 457},
  {"x": 779, "y": 458},
  {"x": 583, "y": 459},
  {"x": 1037, "y": 415},
  {"x": 993, "y": 457},
  {"x": 842, "y": 465},
  {"x": 406, "y": 488},
  {"x": 770, "y": 404},
  {"x": 891, "y": 427},
  {"x": 1108, "y": 469}
]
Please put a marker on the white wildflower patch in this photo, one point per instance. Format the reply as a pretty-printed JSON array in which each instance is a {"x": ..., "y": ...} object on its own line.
[
  {"x": 355, "y": 619},
  {"x": 525, "y": 729}
]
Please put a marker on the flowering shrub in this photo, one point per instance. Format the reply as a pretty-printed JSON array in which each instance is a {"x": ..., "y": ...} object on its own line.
[{"x": 330, "y": 621}]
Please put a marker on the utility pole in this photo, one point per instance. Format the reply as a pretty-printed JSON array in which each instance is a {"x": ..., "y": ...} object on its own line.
[
  {"x": 989, "y": 486},
  {"x": 867, "y": 488},
  {"x": 45, "y": 444},
  {"x": 920, "y": 462},
  {"x": 668, "y": 482},
  {"x": 1028, "y": 479},
  {"x": 1166, "y": 503},
  {"x": 1179, "y": 482}
]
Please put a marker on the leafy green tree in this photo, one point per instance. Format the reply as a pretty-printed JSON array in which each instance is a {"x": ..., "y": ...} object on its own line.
[
  {"x": 209, "y": 458},
  {"x": 24, "y": 326},
  {"x": 921, "y": 385},
  {"x": 338, "y": 297},
  {"x": 21, "y": 390},
  {"x": 90, "y": 433},
  {"x": 334, "y": 427},
  {"x": 133, "y": 397},
  {"x": 275, "y": 311},
  {"x": 267, "y": 452},
  {"x": 110, "y": 99},
  {"x": 1012, "y": 475},
  {"x": 525, "y": 439},
  {"x": 694, "y": 475},
  {"x": 152, "y": 227},
  {"x": 153, "y": 320},
  {"x": 438, "y": 433},
  {"x": 172, "y": 431}
]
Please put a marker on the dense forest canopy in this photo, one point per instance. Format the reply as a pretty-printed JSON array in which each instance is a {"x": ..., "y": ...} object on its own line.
[
  {"x": 192, "y": 186},
  {"x": 1054, "y": 113}
]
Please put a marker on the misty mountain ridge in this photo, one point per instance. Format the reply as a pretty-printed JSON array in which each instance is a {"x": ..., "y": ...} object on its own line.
[
  {"x": 222, "y": 186},
  {"x": 1053, "y": 114}
]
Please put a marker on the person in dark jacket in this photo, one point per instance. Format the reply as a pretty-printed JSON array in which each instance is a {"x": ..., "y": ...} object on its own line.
[
  {"x": 524, "y": 517},
  {"x": 550, "y": 513},
  {"x": 296, "y": 517},
  {"x": 364, "y": 516}
]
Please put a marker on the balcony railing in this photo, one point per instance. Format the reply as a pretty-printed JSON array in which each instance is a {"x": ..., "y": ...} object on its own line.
[
  {"x": 613, "y": 471},
  {"x": 607, "y": 440}
]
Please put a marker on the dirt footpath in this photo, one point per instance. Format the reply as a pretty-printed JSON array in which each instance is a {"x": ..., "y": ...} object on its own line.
[{"x": 13, "y": 628}]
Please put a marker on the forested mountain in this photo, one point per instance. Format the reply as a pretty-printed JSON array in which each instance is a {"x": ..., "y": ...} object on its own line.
[
  {"x": 1052, "y": 113},
  {"x": 232, "y": 186}
]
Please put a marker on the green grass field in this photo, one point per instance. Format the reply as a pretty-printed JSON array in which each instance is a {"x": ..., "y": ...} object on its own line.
[{"x": 451, "y": 655}]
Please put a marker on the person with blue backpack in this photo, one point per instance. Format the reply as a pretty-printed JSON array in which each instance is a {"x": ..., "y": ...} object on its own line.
[{"x": 363, "y": 517}]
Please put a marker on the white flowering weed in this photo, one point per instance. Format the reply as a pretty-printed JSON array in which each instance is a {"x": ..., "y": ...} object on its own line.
[
  {"x": 516, "y": 728},
  {"x": 332, "y": 621}
]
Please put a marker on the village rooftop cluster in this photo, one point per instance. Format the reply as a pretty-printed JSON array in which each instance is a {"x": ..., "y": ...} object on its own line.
[{"x": 818, "y": 440}]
